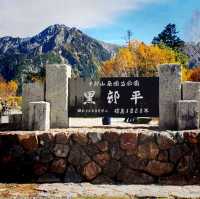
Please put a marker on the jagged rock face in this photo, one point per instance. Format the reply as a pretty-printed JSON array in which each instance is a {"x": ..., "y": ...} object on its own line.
[
  {"x": 79, "y": 50},
  {"x": 193, "y": 51}
]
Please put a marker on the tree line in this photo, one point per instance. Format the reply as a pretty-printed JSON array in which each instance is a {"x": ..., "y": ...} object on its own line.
[{"x": 140, "y": 59}]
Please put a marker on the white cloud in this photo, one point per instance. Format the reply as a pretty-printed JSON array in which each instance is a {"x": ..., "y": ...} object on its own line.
[{"x": 28, "y": 17}]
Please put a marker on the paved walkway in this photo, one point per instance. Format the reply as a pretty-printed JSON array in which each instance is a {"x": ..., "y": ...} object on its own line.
[
  {"x": 79, "y": 191},
  {"x": 115, "y": 122}
]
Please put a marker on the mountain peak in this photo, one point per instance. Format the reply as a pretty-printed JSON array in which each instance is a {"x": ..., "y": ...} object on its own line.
[
  {"x": 82, "y": 52},
  {"x": 51, "y": 31},
  {"x": 57, "y": 27}
]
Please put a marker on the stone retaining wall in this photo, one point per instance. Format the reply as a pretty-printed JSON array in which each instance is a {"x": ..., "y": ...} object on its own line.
[{"x": 109, "y": 157}]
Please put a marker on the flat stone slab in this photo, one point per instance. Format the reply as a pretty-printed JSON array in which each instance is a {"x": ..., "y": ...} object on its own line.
[{"x": 84, "y": 190}]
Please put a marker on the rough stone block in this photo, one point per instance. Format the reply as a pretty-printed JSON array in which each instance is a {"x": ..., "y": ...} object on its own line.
[
  {"x": 187, "y": 112},
  {"x": 128, "y": 141},
  {"x": 28, "y": 141},
  {"x": 71, "y": 175},
  {"x": 148, "y": 151},
  {"x": 57, "y": 93},
  {"x": 91, "y": 170},
  {"x": 169, "y": 94},
  {"x": 129, "y": 176},
  {"x": 15, "y": 121},
  {"x": 191, "y": 91},
  {"x": 112, "y": 168},
  {"x": 102, "y": 158},
  {"x": 39, "y": 116},
  {"x": 158, "y": 168},
  {"x": 61, "y": 150},
  {"x": 31, "y": 92},
  {"x": 58, "y": 166}
]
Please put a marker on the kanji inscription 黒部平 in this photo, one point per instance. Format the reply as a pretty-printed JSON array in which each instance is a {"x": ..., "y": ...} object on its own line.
[{"x": 114, "y": 97}]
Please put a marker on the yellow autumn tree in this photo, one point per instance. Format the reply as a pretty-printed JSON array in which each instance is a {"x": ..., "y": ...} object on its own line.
[
  {"x": 119, "y": 64},
  {"x": 150, "y": 56},
  {"x": 8, "y": 92},
  {"x": 186, "y": 74},
  {"x": 8, "y": 89},
  {"x": 138, "y": 59}
]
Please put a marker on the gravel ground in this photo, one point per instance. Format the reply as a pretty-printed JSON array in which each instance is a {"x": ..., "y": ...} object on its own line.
[{"x": 88, "y": 191}]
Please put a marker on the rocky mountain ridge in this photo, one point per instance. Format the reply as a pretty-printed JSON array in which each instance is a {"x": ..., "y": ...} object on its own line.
[{"x": 24, "y": 55}]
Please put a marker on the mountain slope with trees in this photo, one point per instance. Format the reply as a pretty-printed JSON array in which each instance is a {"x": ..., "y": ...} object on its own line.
[
  {"x": 169, "y": 37},
  {"x": 21, "y": 57}
]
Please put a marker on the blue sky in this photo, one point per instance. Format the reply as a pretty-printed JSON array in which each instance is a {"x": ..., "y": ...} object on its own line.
[
  {"x": 106, "y": 20},
  {"x": 148, "y": 21}
]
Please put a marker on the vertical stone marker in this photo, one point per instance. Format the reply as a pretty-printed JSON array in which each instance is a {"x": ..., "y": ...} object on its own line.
[
  {"x": 57, "y": 94},
  {"x": 31, "y": 92},
  {"x": 39, "y": 116},
  {"x": 169, "y": 94},
  {"x": 187, "y": 113},
  {"x": 191, "y": 91}
]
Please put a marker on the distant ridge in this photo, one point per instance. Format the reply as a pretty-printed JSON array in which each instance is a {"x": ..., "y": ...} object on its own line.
[{"x": 193, "y": 51}]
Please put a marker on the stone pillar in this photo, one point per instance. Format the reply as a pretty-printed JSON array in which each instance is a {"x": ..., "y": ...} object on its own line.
[
  {"x": 191, "y": 91},
  {"x": 169, "y": 94},
  {"x": 57, "y": 93},
  {"x": 39, "y": 116},
  {"x": 31, "y": 92},
  {"x": 187, "y": 112}
]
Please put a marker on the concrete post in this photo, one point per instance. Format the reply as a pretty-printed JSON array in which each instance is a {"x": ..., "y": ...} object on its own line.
[
  {"x": 31, "y": 92},
  {"x": 39, "y": 116},
  {"x": 169, "y": 94},
  {"x": 57, "y": 94},
  {"x": 191, "y": 91},
  {"x": 187, "y": 112}
]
